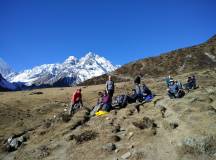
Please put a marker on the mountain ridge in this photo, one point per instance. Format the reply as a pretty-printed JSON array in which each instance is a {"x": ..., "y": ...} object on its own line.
[
  {"x": 70, "y": 72},
  {"x": 5, "y": 69},
  {"x": 196, "y": 57}
]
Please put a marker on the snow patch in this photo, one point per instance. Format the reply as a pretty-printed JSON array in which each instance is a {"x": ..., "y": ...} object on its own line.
[{"x": 212, "y": 57}]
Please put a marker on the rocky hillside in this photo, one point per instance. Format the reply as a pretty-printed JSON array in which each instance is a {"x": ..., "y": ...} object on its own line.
[
  {"x": 5, "y": 85},
  {"x": 199, "y": 57},
  {"x": 186, "y": 130}
]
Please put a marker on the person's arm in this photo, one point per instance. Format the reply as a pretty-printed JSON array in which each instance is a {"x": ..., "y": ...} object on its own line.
[
  {"x": 113, "y": 86},
  {"x": 107, "y": 86}
]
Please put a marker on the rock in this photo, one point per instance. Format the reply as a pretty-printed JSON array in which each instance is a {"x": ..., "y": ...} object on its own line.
[
  {"x": 109, "y": 147},
  {"x": 131, "y": 147},
  {"x": 173, "y": 125},
  {"x": 47, "y": 125},
  {"x": 116, "y": 129},
  {"x": 13, "y": 142},
  {"x": 70, "y": 137},
  {"x": 43, "y": 151},
  {"x": 130, "y": 135},
  {"x": 85, "y": 136},
  {"x": 117, "y": 150},
  {"x": 163, "y": 110},
  {"x": 129, "y": 112},
  {"x": 139, "y": 155},
  {"x": 199, "y": 145},
  {"x": 126, "y": 155},
  {"x": 65, "y": 117},
  {"x": 36, "y": 93},
  {"x": 115, "y": 138},
  {"x": 108, "y": 118}
]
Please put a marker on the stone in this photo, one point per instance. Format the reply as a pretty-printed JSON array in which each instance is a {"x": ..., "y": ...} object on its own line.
[
  {"x": 115, "y": 138},
  {"x": 117, "y": 150},
  {"x": 130, "y": 135},
  {"x": 173, "y": 125},
  {"x": 109, "y": 147},
  {"x": 126, "y": 155}
]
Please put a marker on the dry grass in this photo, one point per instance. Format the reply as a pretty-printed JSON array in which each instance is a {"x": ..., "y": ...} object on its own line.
[{"x": 194, "y": 114}]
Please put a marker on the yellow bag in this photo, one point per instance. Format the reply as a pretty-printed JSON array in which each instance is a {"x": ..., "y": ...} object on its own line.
[{"x": 100, "y": 113}]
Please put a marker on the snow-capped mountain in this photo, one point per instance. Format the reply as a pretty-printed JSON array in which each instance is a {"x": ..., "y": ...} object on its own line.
[
  {"x": 5, "y": 69},
  {"x": 72, "y": 71},
  {"x": 5, "y": 85}
]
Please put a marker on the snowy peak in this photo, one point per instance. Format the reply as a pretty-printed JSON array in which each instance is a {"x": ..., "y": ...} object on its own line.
[
  {"x": 89, "y": 58},
  {"x": 71, "y": 71},
  {"x": 71, "y": 60},
  {"x": 5, "y": 69},
  {"x": 92, "y": 59}
]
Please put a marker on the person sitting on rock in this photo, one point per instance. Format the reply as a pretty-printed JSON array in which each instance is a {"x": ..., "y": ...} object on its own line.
[
  {"x": 167, "y": 80},
  {"x": 142, "y": 91},
  {"x": 76, "y": 101},
  {"x": 106, "y": 102},
  {"x": 98, "y": 105},
  {"x": 191, "y": 83},
  {"x": 179, "y": 84},
  {"x": 133, "y": 97},
  {"x": 173, "y": 89}
]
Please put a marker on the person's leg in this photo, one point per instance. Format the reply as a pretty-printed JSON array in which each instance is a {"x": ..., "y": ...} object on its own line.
[
  {"x": 74, "y": 108},
  {"x": 110, "y": 93},
  {"x": 171, "y": 95},
  {"x": 71, "y": 108},
  {"x": 77, "y": 106},
  {"x": 106, "y": 107},
  {"x": 95, "y": 109}
]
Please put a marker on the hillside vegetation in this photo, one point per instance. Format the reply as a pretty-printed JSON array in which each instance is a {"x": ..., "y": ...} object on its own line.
[{"x": 186, "y": 132}]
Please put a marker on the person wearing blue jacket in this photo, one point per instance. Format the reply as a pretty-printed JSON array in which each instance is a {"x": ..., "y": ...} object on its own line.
[{"x": 173, "y": 89}]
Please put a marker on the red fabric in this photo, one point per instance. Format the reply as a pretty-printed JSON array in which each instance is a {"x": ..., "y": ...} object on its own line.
[{"x": 76, "y": 97}]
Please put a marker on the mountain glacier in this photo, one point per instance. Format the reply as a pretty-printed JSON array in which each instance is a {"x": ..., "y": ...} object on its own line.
[{"x": 71, "y": 72}]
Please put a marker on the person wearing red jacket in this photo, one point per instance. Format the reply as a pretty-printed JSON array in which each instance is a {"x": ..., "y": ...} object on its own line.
[{"x": 76, "y": 101}]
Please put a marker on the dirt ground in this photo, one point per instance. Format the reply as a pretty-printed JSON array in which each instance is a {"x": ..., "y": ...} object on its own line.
[{"x": 186, "y": 132}]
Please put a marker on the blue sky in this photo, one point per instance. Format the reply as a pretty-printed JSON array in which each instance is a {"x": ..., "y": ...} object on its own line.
[{"x": 34, "y": 32}]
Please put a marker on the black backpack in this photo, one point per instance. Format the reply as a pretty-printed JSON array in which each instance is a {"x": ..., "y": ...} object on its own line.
[
  {"x": 121, "y": 100},
  {"x": 181, "y": 93}
]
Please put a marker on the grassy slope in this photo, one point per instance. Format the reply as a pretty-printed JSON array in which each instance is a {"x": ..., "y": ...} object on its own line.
[{"x": 195, "y": 115}]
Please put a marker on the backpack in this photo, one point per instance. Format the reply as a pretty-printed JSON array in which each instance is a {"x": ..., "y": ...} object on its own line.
[
  {"x": 121, "y": 100},
  {"x": 141, "y": 89},
  {"x": 149, "y": 98},
  {"x": 180, "y": 93}
]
